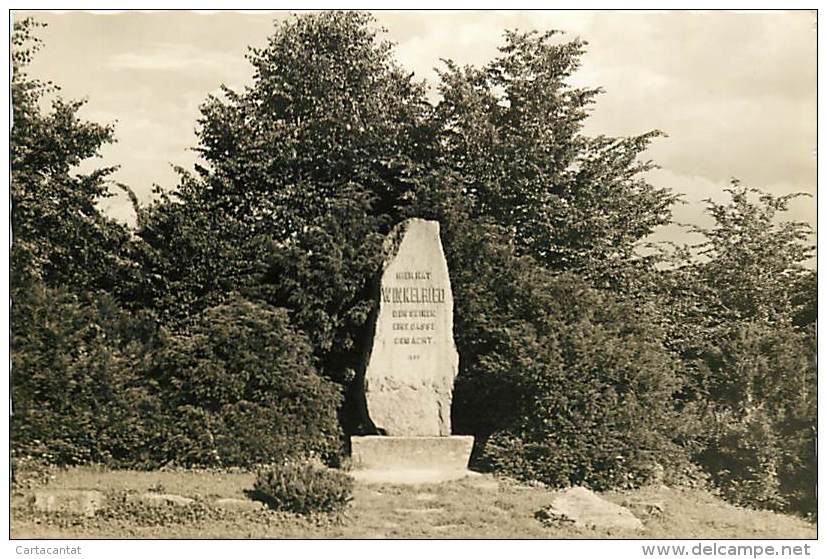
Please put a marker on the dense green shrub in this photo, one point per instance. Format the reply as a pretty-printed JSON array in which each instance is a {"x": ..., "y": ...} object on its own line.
[
  {"x": 743, "y": 457},
  {"x": 596, "y": 395},
  {"x": 303, "y": 487},
  {"x": 78, "y": 394},
  {"x": 241, "y": 389},
  {"x": 92, "y": 383},
  {"x": 761, "y": 447}
]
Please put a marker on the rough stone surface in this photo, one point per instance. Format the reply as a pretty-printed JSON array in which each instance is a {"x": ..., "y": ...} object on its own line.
[
  {"x": 587, "y": 510},
  {"x": 162, "y": 499},
  {"x": 377, "y": 452},
  {"x": 407, "y": 460},
  {"x": 238, "y": 504},
  {"x": 645, "y": 507},
  {"x": 445, "y": 453},
  {"x": 74, "y": 501},
  {"x": 409, "y": 379}
]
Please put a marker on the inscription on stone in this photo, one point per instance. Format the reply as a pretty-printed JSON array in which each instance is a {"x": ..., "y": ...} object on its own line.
[{"x": 413, "y": 361}]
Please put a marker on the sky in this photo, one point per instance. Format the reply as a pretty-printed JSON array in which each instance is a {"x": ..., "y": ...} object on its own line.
[{"x": 734, "y": 91}]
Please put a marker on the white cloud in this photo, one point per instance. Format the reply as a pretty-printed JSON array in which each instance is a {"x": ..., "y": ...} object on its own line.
[{"x": 173, "y": 57}]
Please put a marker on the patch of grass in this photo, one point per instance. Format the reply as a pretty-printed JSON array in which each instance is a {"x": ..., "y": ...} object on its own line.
[
  {"x": 478, "y": 507},
  {"x": 207, "y": 483}
]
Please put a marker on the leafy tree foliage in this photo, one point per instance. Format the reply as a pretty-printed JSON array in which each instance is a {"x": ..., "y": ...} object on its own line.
[
  {"x": 512, "y": 132},
  {"x": 328, "y": 111},
  {"x": 190, "y": 257},
  {"x": 761, "y": 383},
  {"x": 754, "y": 261},
  {"x": 59, "y": 234},
  {"x": 742, "y": 321}
]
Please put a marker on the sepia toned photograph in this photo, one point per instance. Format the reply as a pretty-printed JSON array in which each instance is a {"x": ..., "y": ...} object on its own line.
[{"x": 414, "y": 275}]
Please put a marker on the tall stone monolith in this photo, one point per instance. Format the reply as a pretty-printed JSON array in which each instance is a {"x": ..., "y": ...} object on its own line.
[
  {"x": 409, "y": 380},
  {"x": 412, "y": 361}
]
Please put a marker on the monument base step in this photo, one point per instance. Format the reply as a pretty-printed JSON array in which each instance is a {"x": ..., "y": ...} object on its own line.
[
  {"x": 411, "y": 477},
  {"x": 412, "y": 454}
]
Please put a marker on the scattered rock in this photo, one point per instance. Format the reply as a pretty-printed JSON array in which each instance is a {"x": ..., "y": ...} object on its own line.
[
  {"x": 238, "y": 504},
  {"x": 74, "y": 501},
  {"x": 585, "y": 509},
  {"x": 648, "y": 508},
  {"x": 418, "y": 511},
  {"x": 161, "y": 499},
  {"x": 425, "y": 497}
]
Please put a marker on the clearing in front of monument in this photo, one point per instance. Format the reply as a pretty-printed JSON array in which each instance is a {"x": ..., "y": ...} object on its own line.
[{"x": 477, "y": 507}]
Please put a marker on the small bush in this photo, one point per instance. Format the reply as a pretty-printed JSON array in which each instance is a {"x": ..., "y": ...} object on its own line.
[{"x": 303, "y": 487}]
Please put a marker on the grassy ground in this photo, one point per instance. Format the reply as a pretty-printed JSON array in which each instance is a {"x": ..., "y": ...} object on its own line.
[{"x": 480, "y": 507}]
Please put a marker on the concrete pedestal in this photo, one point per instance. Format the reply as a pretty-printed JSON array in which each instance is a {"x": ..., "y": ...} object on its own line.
[{"x": 410, "y": 459}]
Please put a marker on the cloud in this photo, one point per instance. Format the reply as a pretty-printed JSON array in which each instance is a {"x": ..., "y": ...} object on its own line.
[{"x": 168, "y": 57}]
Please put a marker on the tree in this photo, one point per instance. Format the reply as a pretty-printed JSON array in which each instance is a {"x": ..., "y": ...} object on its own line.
[
  {"x": 329, "y": 110},
  {"x": 755, "y": 261},
  {"x": 742, "y": 320},
  {"x": 331, "y": 127},
  {"x": 751, "y": 275},
  {"x": 60, "y": 236},
  {"x": 512, "y": 132}
]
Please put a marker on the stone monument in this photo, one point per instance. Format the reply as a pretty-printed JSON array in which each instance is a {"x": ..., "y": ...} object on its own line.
[{"x": 412, "y": 362}]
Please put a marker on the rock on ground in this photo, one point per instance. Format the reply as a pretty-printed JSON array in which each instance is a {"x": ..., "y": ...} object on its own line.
[
  {"x": 75, "y": 501},
  {"x": 585, "y": 509},
  {"x": 238, "y": 504},
  {"x": 161, "y": 499}
]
